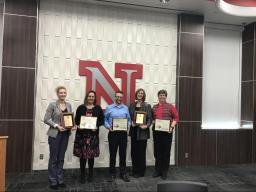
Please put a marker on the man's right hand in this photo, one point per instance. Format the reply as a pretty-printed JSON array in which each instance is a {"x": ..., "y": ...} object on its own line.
[{"x": 109, "y": 129}]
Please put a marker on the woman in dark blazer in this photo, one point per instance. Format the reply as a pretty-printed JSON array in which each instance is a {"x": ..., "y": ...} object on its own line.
[
  {"x": 58, "y": 137},
  {"x": 86, "y": 145},
  {"x": 139, "y": 134}
]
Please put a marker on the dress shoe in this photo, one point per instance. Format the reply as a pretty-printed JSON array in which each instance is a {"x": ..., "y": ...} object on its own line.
[
  {"x": 138, "y": 175},
  {"x": 62, "y": 185},
  {"x": 54, "y": 187},
  {"x": 111, "y": 178},
  {"x": 156, "y": 174},
  {"x": 164, "y": 175},
  {"x": 125, "y": 178},
  {"x": 82, "y": 179},
  {"x": 90, "y": 179}
]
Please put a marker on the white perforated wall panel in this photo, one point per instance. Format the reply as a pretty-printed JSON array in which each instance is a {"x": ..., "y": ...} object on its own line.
[{"x": 71, "y": 31}]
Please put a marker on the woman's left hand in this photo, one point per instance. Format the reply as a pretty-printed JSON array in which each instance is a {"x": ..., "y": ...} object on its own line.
[
  {"x": 143, "y": 126},
  {"x": 74, "y": 128},
  {"x": 170, "y": 130}
]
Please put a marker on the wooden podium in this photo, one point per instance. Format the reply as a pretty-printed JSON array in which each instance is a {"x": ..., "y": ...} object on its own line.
[{"x": 3, "y": 141}]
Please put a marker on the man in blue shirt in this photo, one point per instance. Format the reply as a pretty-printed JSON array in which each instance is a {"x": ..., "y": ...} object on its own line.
[{"x": 117, "y": 138}]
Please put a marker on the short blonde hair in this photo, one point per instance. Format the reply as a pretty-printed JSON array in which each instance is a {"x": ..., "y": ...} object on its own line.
[{"x": 57, "y": 89}]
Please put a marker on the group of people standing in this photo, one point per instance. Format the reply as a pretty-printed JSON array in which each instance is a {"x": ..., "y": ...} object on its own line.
[{"x": 86, "y": 144}]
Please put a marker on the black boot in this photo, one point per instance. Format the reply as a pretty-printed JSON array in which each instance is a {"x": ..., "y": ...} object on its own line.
[
  {"x": 82, "y": 170},
  {"x": 82, "y": 179},
  {"x": 164, "y": 175},
  {"x": 90, "y": 175}
]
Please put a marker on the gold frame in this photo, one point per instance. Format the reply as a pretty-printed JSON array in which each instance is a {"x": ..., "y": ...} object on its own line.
[
  {"x": 144, "y": 117},
  {"x": 72, "y": 120}
]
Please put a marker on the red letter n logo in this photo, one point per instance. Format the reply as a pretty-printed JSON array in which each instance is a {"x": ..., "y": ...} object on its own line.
[{"x": 99, "y": 80}]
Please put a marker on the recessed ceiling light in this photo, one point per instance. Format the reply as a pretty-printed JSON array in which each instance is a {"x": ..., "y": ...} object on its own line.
[{"x": 164, "y": 1}]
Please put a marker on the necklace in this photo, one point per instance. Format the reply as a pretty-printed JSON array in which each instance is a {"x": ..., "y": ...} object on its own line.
[{"x": 62, "y": 106}]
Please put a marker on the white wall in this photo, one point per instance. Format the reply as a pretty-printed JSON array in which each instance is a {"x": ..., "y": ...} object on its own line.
[{"x": 72, "y": 31}]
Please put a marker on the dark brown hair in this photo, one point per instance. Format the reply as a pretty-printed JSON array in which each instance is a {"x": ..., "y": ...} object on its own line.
[
  {"x": 144, "y": 95},
  {"x": 162, "y": 91},
  {"x": 121, "y": 92},
  {"x": 87, "y": 95}
]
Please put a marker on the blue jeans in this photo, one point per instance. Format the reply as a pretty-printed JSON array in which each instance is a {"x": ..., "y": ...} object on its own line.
[{"x": 58, "y": 147}]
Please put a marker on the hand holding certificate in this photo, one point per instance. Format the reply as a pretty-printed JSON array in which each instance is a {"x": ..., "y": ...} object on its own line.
[
  {"x": 120, "y": 124},
  {"x": 140, "y": 118},
  {"x": 88, "y": 123},
  {"x": 68, "y": 120},
  {"x": 162, "y": 125}
]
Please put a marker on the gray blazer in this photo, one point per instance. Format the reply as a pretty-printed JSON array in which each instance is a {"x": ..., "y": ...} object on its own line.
[
  {"x": 53, "y": 116},
  {"x": 142, "y": 134}
]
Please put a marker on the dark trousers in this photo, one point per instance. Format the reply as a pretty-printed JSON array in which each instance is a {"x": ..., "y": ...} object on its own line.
[
  {"x": 83, "y": 165},
  {"x": 162, "y": 149},
  {"x": 117, "y": 139},
  {"x": 58, "y": 147},
  {"x": 138, "y": 154}
]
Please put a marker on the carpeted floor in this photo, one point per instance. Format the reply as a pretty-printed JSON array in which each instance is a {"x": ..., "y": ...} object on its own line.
[{"x": 235, "y": 178}]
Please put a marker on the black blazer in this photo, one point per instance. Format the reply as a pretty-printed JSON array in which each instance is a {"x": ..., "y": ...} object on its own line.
[{"x": 142, "y": 134}]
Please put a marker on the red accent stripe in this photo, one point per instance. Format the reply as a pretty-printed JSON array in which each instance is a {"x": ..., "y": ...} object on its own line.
[{"x": 243, "y": 3}]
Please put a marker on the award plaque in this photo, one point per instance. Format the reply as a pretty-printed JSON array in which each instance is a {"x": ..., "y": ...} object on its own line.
[
  {"x": 88, "y": 122},
  {"x": 162, "y": 125},
  {"x": 120, "y": 124},
  {"x": 140, "y": 117},
  {"x": 68, "y": 120}
]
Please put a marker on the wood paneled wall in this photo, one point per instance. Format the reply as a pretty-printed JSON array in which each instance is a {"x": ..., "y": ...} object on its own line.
[
  {"x": 236, "y": 146},
  {"x": 18, "y": 81},
  {"x": 194, "y": 145},
  {"x": 248, "y": 107}
]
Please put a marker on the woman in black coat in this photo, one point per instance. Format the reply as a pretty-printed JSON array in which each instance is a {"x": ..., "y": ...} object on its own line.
[
  {"x": 86, "y": 144},
  {"x": 139, "y": 134}
]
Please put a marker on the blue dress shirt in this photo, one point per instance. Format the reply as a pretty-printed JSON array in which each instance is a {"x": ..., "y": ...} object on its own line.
[{"x": 116, "y": 111}]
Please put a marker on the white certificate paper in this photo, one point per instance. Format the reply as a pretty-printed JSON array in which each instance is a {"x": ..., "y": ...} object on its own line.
[
  {"x": 88, "y": 122},
  {"x": 162, "y": 125},
  {"x": 120, "y": 124}
]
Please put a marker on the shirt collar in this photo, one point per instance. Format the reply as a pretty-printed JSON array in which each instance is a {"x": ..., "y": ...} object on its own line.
[
  {"x": 119, "y": 106},
  {"x": 161, "y": 104}
]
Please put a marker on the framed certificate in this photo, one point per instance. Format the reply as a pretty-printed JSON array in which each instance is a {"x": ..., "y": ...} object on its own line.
[
  {"x": 68, "y": 120},
  {"x": 162, "y": 125},
  {"x": 120, "y": 124},
  {"x": 88, "y": 122},
  {"x": 140, "y": 117}
]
